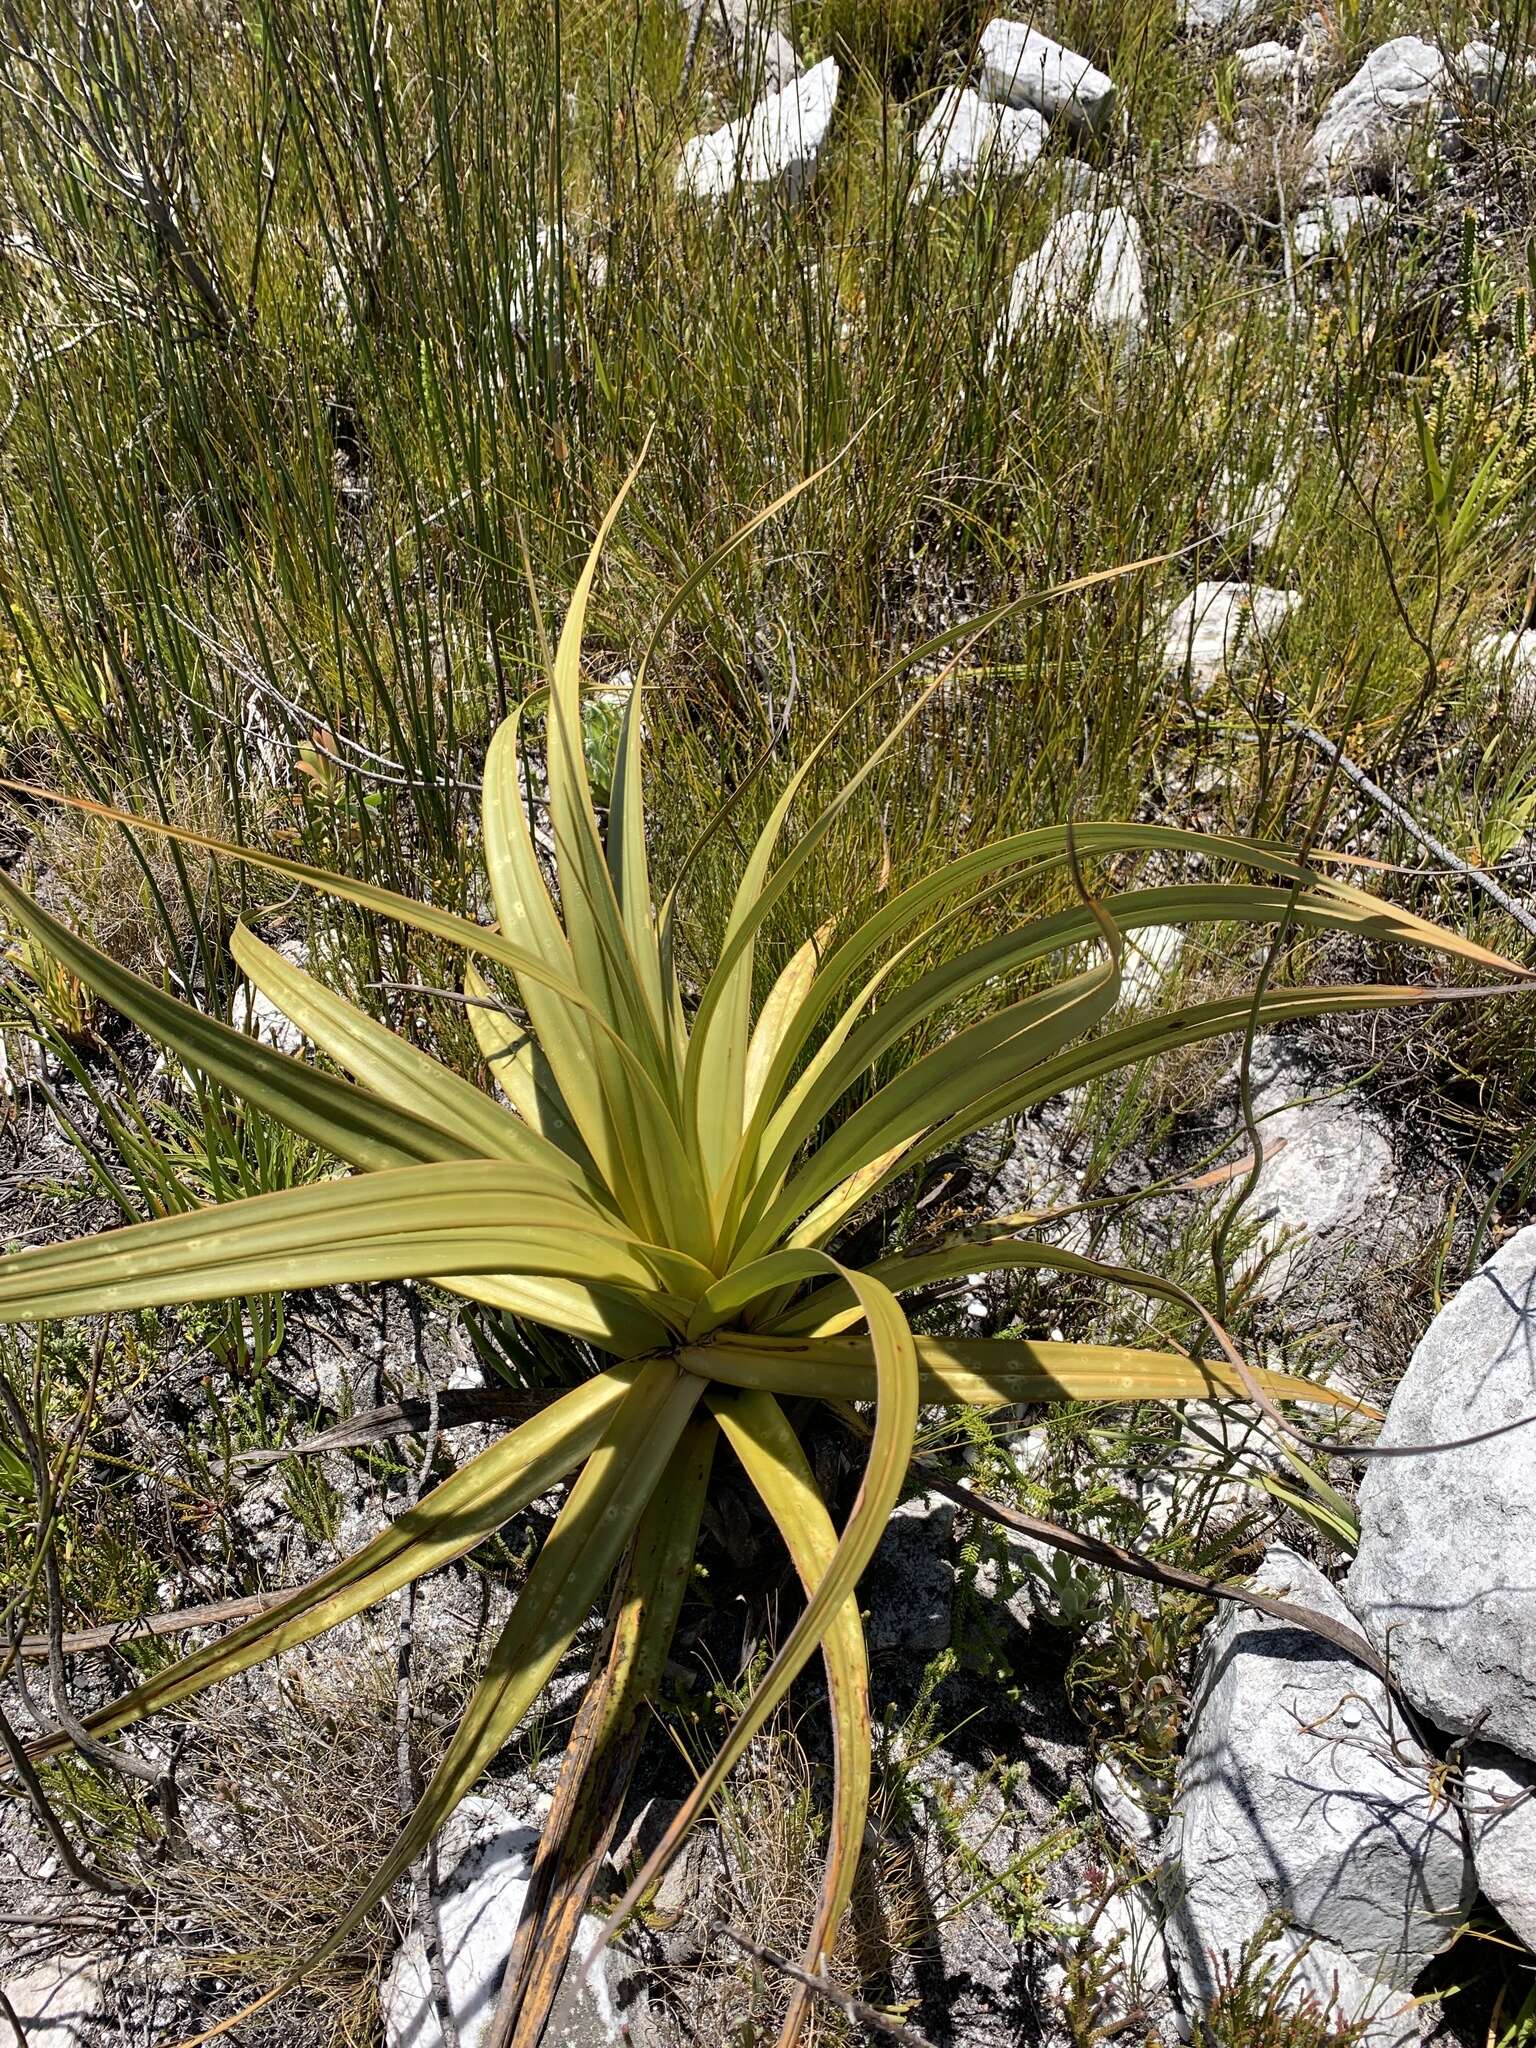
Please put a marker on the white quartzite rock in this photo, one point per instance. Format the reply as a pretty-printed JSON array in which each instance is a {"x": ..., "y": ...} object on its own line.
[
  {"x": 1499, "y": 1796},
  {"x": 1150, "y": 960},
  {"x": 57, "y": 2001},
  {"x": 1088, "y": 266},
  {"x": 967, "y": 138},
  {"x": 1023, "y": 68},
  {"x": 1249, "y": 513},
  {"x": 1125, "y": 1930},
  {"x": 1334, "y": 221},
  {"x": 752, "y": 32},
  {"x": 1300, "y": 1794},
  {"x": 1512, "y": 656},
  {"x": 1224, "y": 628},
  {"x": 1267, "y": 63},
  {"x": 479, "y": 1904},
  {"x": 1327, "y": 1190},
  {"x": 1367, "y": 127},
  {"x": 779, "y": 141},
  {"x": 1486, "y": 71},
  {"x": 1217, "y": 17},
  {"x": 1445, "y": 1576},
  {"x": 1123, "y": 1794}
]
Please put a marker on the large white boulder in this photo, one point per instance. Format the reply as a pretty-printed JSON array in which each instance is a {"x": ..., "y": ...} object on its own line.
[
  {"x": 1089, "y": 268},
  {"x": 967, "y": 138},
  {"x": 1499, "y": 1797},
  {"x": 1368, "y": 126},
  {"x": 1301, "y": 1795},
  {"x": 484, "y": 1859},
  {"x": 1023, "y": 68},
  {"x": 1445, "y": 1576},
  {"x": 779, "y": 142},
  {"x": 1223, "y": 628}
]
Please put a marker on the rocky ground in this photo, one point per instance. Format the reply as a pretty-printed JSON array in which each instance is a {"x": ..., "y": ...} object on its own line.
[{"x": 1103, "y": 1812}]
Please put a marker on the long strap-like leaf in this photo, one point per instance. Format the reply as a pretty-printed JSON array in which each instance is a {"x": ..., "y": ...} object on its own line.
[
  {"x": 407, "y": 1222},
  {"x": 521, "y": 1069},
  {"x": 1044, "y": 848},
  {"x": 896, "y": 1403},
  {"x": 659, "y": 1138},
  {"x": 1013, "y": 953},
  {"x": 1151, "y": 1038},
  {"x": 381, "y": 1060},
  {"x": 928, "y": 1091},
  {"x": 360, "y": 1128},
  {"x": 758, "y": 1431},
  {"x": 987, "y": 1372},
  {"x": 605, "y": 1742},
  {"x": 350, "y": 1122},
  {"x": 455, "y": 1516},
  {"x": 590, "y": 1532}
]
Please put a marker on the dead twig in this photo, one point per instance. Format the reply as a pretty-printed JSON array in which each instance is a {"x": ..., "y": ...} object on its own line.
[
  {"x": 1400, "y": 815},
  {"x": 846, "y": 2002},
  {"x": 109, "y": 1635},
  {"x": 457, "y": 1408}
]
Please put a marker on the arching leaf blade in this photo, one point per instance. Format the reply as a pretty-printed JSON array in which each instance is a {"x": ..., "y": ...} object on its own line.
[
  {"x": 383, "y": 1062},
  {"x": 896, "y": 1403},
  {"x": 599, "y": 1515},
  {"x": 449, "y": 1521},
  {"x": 987, "y": 1372},
  {"x": 758, "y": 1431},
  {"x": 350, "y": 1122}
]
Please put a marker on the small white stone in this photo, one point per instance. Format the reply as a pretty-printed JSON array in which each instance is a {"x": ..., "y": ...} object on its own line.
[
  {"x": 1248, "y": 514},
  {"x": 1024, "y": 68},
  {"x": 58, "y": 2001},
  {"x": 1334, "y": 222},
  {"x": 1219, "y": 17},
  {"x": 1126, "y": 1928},
  {"x": 485, "y": 1859},
  {"x": 1213, "y": 147},
  {"x": 22, "y": 1061},
  {"x": 1081, "y": 186},
  {"x": 967, "y": 138},
  {"x": 1123, "y": 1795},
  {"x": 526, "y": 289},
  {"x": 1089, "y": 267},
  {"x": 1328, "y": 1182},
  {"x": 1348, "y": 1835},
  {"x": 1485, "y": 71},
  {"x": 780, "y": 140},
  {"x": 259, "y": 1017},
  {"x": 1223, "y": 628},
  {"x": 1512, "y": 657},
  {"x": 1267, "y": 63},
  {"x": 1150, "y": 959}
]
